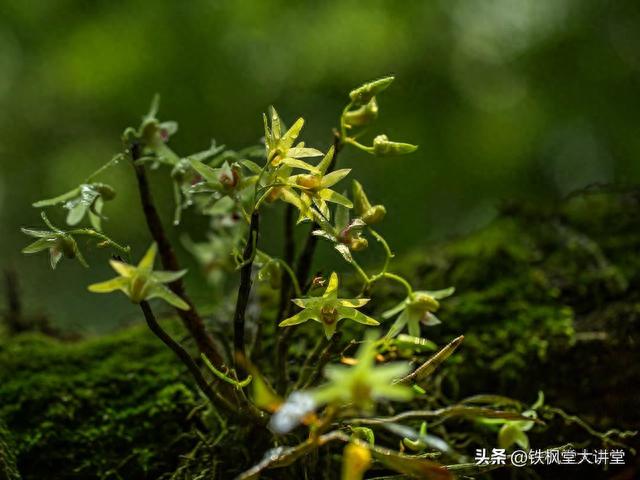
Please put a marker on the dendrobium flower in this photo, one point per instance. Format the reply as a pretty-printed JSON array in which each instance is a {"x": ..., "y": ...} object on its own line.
[
  {"x": 329, "y": 309},
  {"x": 314, "y": 187},
  {"x": 141, "y": 282},
  {"x": 345, "y": 234},
  {"x": 417, "y": 308},
  {"x": 87, "y": 198},
  {"x": 364, "y": 383},
  {"x": 58, "y": 242},
  {"x": 280, "y": 149}
]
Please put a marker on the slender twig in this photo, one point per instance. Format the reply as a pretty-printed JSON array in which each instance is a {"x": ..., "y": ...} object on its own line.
[
  {"x": 244, "y": 290},
  {"x": 184, "y": 357},
  {"x": 288, "y": 255},
  {"x": 190, "y": 318},
  {"x": 324, "y": 358},
  {"x": 430, "y": 365}
]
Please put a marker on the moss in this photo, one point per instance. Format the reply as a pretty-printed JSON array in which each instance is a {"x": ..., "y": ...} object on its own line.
[
  {"x": 8, "y": 468},
  {"x": 114, "y": 407},
  {"x": 547, "y": 299}
]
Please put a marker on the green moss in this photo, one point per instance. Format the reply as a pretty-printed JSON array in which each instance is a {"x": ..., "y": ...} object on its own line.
[
  {"x": 113, "y": 407},
  {"x": 547, "y": 299},
  {"x": 8, "y": 468}
]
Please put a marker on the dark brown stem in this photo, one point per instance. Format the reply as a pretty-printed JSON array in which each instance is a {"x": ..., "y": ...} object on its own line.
[
  {"x": 244, "y": 290},
  {"x": 183, "y": 355},
  {"x": 190, "y": 318},
  {"x": 288, "y": 256}
]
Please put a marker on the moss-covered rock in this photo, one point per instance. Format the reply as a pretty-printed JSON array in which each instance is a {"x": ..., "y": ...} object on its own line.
[{"x": 114, "y": 407}]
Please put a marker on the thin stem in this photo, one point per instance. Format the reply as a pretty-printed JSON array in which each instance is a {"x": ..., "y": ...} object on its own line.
[
  {"x": 225, "y": 378},
  {"x": 184, "y": 356},
  {"x": 93, "y": 233},
  {"x": 292, "y": 277},
  {"x": 358, "y": 145},
  {"x": 191, "y": 318},
  {"x": 387, "y": 250},
  {"x": 399, "y": 279},
  {"x": 106, "y": 166},
  {"x": 244, "y": 290},
  {"x": 361, "y": 272}
]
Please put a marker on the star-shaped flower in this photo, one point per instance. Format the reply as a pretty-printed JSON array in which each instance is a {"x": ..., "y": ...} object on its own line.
[
  {"x": 280, "y": 149},
  {"x": 365, "y": 383},
  {"x": 140, "y": 282},
  {"x": 58, "y": 242},
  {"x": 329, "y": 309},
  {"x": 416, "y": 308},
  {"x": 314, "y": 187}
]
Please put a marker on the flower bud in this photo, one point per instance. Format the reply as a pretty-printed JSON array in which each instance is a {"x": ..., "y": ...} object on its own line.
[
  {"x": 356, "y": 460},
  {"x": 363, "y": 115},
  {"x": 374, "y": 215},
  {"x": 361, "y": 203},
  {"x": 383, "y": 147},
  {"x": 358, "y": 244},
  {"x": 362, "y": 95},
  {"x": 105, "y": 191}
]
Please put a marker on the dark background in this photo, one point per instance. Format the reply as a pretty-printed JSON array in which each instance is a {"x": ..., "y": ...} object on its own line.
[{"x": 507, "y": 99}]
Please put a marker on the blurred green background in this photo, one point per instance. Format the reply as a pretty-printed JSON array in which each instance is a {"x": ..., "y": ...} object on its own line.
[{"x": 508, "y": 99}]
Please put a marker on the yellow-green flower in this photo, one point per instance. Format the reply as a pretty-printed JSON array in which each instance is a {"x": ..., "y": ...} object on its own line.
[
  {"x": 416, "y": 309},
  {"x": 280, "y": 149},
  {"x": 314, "y": 187},
  {"x": 329, "y": 309},
  {"x": 140, "y": 282},
  {"x": 364, "y": 383}
]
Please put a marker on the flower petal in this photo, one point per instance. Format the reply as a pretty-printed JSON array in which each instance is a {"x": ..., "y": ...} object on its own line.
[
  {"x": 332, "y": 178},
  {"x": 298, "y": 318},
  {"x": 335, "y": 197},
  {"x": 167, "y": 276},
  {"x": 118, "y": 283},
  {"x": 286, "y": 142},
  {"x": 353, "y": 302},
  {"x": 332, "y": 287},
  {"x": 160, "y": 291},
  {"x": 356, "y": 316},
  {"x": 149, "y": 257},
  {"x": 122, "y": 268},
  {"x": 295, "y": 163},
  {"x": 302, "y": 152}
]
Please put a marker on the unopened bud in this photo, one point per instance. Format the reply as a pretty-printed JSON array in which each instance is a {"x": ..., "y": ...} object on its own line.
[
  {"x": 358, "y": 244},
  {"x": 356, "y": 460},
  {"x": 374, "y": 215},
  {"x": 363, "y": 115},
  {"x": 383, "y": 147},
  {"x": 362, "y": 95},
  {"x": 360, "y": 201},
  {"x": 105, "y": 191}
]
